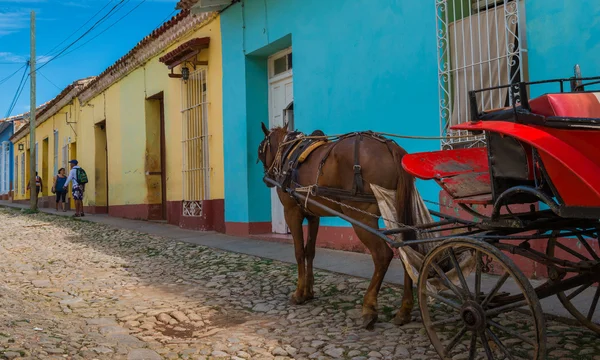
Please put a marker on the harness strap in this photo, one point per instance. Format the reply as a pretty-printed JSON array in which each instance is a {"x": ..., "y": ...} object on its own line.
[{"x": 357, "y": 185}]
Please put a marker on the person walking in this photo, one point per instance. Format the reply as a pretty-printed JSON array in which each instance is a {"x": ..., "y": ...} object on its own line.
[
  {"x": 38, "y": 186},
  {"x": 59, "y": 188},
  {"x": 79, "y": 178}
]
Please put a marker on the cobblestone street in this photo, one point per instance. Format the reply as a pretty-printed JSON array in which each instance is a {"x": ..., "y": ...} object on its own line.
[{"x": 73, "y": 289}]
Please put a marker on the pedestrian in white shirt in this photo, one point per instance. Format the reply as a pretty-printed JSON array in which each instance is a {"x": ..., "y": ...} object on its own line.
[{"x": 77, "y": 189}]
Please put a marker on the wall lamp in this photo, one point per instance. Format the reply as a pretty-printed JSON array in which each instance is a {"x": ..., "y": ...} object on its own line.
[
  {"x": 21, "y": 147},
  {"x": 185, "y": 73}
]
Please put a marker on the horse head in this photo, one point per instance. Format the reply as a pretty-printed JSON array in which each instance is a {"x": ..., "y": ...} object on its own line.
[{"x": 269, "y": 147}]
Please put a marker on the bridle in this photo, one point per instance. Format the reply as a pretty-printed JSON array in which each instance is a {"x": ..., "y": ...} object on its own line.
[{"x": 275, "y": 168}]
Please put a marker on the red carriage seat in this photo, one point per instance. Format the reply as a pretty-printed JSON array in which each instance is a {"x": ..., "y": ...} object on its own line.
[
  {"x": 576, "y": 105},
  {"x": 463, "y": 173}
]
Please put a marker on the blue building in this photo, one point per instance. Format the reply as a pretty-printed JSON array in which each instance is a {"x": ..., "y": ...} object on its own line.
[
  {"x": 397, "y": 66},
  {"x": 6, "y": 162}
]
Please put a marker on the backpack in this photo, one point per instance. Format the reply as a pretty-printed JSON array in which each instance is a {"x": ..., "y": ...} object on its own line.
[{"x": 81, "y": 176}]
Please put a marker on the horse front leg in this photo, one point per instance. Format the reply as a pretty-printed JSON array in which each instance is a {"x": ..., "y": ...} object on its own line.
[
  {"x": 403, "y": 316},
  {"x": 309, "y": 250},
  {"x": 294, "y": 220}
]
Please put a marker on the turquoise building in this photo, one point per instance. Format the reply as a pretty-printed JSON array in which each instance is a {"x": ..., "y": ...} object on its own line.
[{"x": 397, "y": 66}]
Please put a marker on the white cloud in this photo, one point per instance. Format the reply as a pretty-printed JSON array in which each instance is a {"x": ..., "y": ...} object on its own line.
[
  {"x": 8, "y": 57},
  {"x": 13, "y": 21}
]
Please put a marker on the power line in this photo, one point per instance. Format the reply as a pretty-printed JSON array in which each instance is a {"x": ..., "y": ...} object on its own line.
[
  {"x": 167, "y": 18},
  {"x": 80, "y": 37},
  {"x": 19, "y": 91},
  {"x": 13, "y": 74},
  {"x": 50, "y": 81},
  {"x": 106, "y": 29},
  {"x": 74, "y": 32}
]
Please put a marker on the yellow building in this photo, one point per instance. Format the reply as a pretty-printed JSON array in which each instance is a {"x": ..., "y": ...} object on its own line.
[
  {"x": 57, "y": 129},
  {"x": 150, "y": 128}
]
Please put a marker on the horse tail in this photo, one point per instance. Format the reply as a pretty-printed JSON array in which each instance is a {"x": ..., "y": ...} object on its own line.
[{"x": 404, "y": 193}]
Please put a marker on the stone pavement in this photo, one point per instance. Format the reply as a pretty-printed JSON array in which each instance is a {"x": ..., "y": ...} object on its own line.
[
  {"x": 343, "y": 262},
  {"x": 81, "y": 290}
]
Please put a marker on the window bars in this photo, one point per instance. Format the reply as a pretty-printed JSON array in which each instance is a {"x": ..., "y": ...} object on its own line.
[
  {"x": 196, "y": 170},
  {"x": 479, "y": 46},
  {"x": 16, "y": 174}
]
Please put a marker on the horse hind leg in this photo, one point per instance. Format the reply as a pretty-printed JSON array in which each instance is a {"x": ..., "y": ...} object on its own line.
[
  {"x": 403, "y": 316},
  {"x": 382, "y": 256}
]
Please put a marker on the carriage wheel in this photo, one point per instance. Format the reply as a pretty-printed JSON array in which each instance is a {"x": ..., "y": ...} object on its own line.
[
  {"x": 483, "y": 326},
  {"x": 587, "y": 250}
]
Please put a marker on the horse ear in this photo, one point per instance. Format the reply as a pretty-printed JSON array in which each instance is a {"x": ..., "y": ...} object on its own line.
[
  {"x": 285, "y": 125},
  {"x": 264, "y": 128}
]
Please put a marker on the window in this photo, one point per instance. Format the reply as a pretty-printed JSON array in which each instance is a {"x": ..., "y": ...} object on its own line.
[
  {"x": 196, "y": 169},
  {"x": 23, "y": 174},
  {"x": 4, "y": 167},
  {"x": 479, "y": 46},
  {"x": 55, "y": 152},
  {"x": 65, "y": 155},
  {"x": 281, "y": 63}
]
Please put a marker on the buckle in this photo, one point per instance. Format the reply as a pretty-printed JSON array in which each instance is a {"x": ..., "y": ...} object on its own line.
[{"x": 357, "y": 168}]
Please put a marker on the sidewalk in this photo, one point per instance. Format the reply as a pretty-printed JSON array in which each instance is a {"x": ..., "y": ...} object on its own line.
[{"x": 343, "y": 262}]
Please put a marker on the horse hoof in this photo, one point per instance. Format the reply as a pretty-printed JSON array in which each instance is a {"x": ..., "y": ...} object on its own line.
[
  {"x": 369, "y": 321},
  {"x": 401, "y": 319},
  {"x": 294, "y": 300}
]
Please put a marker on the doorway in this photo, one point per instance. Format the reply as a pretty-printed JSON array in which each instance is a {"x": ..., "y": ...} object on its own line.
[
  {"x": 101, "y": 167},
  {"x": 72, "y": 155},
  {"x": 157, "y": 157},
  {"x": 281, "y": 99},
  {"x": 46, "y": 176}
]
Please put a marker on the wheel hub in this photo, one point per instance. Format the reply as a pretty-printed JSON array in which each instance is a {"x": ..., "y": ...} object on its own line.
[{"x": 473, "y": 316}]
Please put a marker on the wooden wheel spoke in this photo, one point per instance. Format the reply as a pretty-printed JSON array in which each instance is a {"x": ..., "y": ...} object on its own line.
[
  {"x": 499, "y": 343},
  {"x": 449, "y": 284},
  {"x": 497, "y": 287},
  {"x": 511, "y": 332},
  {"x": 486, "y": 346},
  {"x": 444, "y": 300},
  {"x": 473, "y": 348},
  {"x": 590, "y": 314},
  {"x": 587, "y": 246},
  {"x": 455, "y": 340},
  {"x": 505, "y": 308},
  {"x": 571, "y": 251},
  {"x": 479, "y": 263},
  {"x": 459, "y": 272},
  {"x": 578, "y": 291},
  {"x": 446, "y": 321}
]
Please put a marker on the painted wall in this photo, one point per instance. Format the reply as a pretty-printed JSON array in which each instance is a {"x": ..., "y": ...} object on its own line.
[
  {"x": 129, "y": 117},
  {"x": 66, "y": 123},
  {"x": 357, "y": 65},
  {"x": 561, "y": 34}
]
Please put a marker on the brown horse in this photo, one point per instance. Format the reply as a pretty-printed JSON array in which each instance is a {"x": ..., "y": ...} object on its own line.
[{"x": 333, "y": 166}]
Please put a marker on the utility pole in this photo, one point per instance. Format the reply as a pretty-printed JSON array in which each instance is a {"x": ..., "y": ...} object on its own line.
[{"x": 32, "y": 107}]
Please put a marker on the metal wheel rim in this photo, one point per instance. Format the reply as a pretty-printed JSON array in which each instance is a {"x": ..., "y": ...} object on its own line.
[
  {"x": 533, "y": 302},
  {"x": 563, "y": 298}
]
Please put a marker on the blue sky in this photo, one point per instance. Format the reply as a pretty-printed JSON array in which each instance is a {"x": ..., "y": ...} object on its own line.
[{"x": 57, "y": 20}]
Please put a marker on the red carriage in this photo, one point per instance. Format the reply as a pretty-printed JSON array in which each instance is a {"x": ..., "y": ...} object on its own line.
[{"x": 538, "y": 151}]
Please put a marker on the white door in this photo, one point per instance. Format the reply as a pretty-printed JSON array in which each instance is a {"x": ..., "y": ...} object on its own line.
[{"x": 281, "y": 94}]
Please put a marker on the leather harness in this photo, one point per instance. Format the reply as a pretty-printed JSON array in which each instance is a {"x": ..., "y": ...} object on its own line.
[{"x": 298, "y": 148}]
